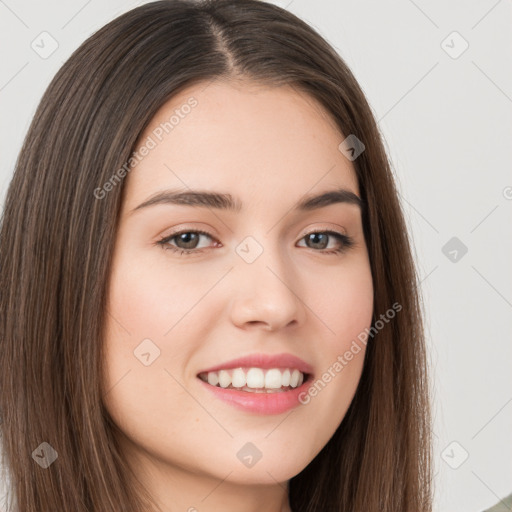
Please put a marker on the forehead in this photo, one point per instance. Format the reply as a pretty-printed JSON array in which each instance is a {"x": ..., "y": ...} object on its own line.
[{"x": 251, "y": 140}]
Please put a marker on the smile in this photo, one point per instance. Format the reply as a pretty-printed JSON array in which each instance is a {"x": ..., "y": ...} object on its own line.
[{"x": 258, "y": 383}]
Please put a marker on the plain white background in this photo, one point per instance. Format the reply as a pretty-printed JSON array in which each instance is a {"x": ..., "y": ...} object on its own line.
[{"x": 438, "y": 76}]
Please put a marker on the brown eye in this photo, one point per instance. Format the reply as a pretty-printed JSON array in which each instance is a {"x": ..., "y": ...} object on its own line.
[
  {"x": 317, "y": 240},
  {"x": 320, "y": 240},
  {"x": 184, "y": 242},
  {"x": 188, "y": 240}
]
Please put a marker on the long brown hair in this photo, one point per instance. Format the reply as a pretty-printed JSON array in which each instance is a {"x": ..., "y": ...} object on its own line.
[{"x": 56, "y": 246}]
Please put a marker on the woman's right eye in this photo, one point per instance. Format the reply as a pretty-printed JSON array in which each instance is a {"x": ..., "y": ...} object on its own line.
[{"x": 187, "y": 241}]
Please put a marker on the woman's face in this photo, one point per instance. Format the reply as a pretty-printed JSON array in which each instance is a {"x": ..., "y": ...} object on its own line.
[{"x": 257, "y": 285}]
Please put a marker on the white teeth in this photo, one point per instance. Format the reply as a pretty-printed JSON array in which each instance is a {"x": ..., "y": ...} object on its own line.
[
  {"x": 255, "y": 378},
  {"x": 294, "y": 379},
  {"x": 213, "y": 378},
  {"x": 238, "y": 379},
  {"x": 250, "y": 379},
  {"x": 273, "y": 379},
  {"x": 224, "y": 379}
]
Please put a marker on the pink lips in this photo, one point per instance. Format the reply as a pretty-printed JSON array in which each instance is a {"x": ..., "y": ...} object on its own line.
[{"x": 262, "y": 403}]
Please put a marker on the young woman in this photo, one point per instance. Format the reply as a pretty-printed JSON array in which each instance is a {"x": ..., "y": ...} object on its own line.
[{"x": 208, "y": 299}]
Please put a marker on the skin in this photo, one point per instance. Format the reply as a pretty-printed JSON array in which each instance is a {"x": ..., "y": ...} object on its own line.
[{"x": 268, "y": 147}]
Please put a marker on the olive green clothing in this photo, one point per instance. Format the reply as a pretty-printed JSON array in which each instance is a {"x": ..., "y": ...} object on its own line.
[{"x": 505, "y": 505}]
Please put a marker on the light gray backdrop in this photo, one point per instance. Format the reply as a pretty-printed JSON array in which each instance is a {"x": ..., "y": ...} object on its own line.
[{"x": 439, "y": 78}]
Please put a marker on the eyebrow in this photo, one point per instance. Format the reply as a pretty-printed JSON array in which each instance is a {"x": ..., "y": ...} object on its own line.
[{"x": 224, "y": 201}]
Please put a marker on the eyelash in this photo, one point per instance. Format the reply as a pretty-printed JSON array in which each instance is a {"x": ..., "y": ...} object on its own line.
[{"x": 346, "y": 242}]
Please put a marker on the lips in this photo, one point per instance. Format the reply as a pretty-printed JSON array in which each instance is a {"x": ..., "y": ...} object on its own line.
[{"x": 259, "y": 383}]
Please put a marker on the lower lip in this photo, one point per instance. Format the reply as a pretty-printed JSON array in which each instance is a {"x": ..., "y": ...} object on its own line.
[{"x": 260, "y": 403}]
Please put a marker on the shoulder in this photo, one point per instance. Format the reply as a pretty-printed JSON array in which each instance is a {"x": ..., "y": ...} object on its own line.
[{"x": 505, "y": 505}]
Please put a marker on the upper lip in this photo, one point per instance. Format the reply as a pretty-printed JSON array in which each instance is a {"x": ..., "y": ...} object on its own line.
[{"x": 265, "y": 361}]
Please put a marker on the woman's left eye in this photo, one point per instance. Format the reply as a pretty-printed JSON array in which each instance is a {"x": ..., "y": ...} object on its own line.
[
  {"x": 322, "y": 238},
  {"x": 186, "y": 242}
]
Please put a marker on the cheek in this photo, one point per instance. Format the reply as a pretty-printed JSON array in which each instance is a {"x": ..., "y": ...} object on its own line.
[
  {"x": 148, "y": 297},
  {"x": 343, "y": 302}
]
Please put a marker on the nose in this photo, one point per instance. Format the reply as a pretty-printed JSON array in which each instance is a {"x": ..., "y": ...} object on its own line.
[{"x": 268, "y": 294}]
